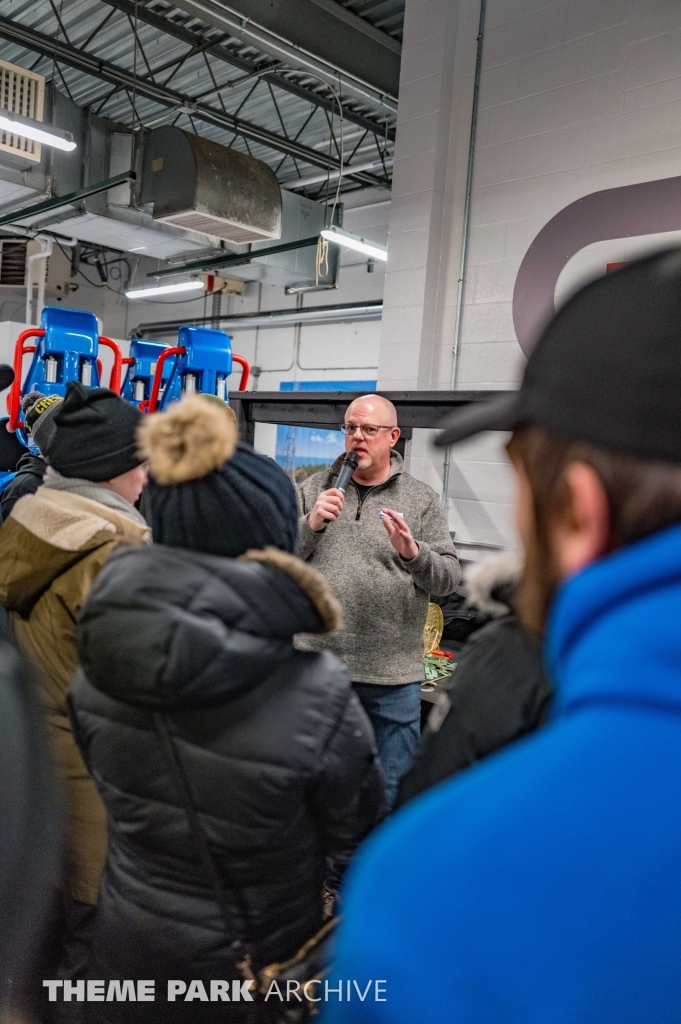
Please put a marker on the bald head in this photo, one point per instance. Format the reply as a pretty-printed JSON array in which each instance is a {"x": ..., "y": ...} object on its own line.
[
  {"x": 368, "y": 406},
  {"x": 372, "y": 446}
]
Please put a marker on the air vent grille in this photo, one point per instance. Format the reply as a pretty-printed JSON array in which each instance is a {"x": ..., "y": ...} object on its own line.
[
  {"x": 13, "y": 264},
  {"x": 21, "y": 92},
  {"x": 219, "y": 226}
]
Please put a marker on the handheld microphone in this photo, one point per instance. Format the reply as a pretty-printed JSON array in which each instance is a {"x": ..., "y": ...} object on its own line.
[{"x": 348, "y": 467}]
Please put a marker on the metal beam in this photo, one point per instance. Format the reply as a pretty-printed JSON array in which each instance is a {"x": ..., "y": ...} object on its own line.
[
  {"x": 324, "y": 41},
  {"x": 326, "y": 409},
  {"x": 234, "y": 259},
  {"x": 185, "y": 35},
  {"x": 103, "y": 70},
  {"x": 67, "y": 200},
  {"x": 282, "y": 47},
  {"x": 361, "y": 25}
]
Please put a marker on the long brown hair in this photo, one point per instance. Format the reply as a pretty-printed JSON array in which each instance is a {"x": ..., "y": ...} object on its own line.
[{"x": 643, "y": 497}]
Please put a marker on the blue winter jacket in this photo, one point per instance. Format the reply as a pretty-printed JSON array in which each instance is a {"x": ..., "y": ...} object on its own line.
[{"x": 544, "y": 885}]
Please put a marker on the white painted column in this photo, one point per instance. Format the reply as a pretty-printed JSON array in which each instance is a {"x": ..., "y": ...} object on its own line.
[
  {"x": 415, "y": 273},
  {"x": 424, "y": 246}
]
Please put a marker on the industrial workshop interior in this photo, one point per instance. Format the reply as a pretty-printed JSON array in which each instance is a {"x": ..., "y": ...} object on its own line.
[{"x": 340, "y": 511}]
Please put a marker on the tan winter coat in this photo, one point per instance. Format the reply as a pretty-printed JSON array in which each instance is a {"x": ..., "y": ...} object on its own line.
[{"x": 51, "y": 548}]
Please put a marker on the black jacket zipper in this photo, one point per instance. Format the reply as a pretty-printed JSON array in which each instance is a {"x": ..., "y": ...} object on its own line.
[{"x": 361, "y": 501}]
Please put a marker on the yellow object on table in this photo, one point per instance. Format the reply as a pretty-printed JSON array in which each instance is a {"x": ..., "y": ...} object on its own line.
[
  {"x": 436, "y": 667},
  {"x": 433, "y": 629}
]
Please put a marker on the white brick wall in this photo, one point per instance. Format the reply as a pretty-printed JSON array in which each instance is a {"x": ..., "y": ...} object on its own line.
[{"x": 576, "y": 96}]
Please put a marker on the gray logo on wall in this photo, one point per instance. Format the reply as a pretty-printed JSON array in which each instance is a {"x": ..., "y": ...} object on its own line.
[{"x": 647, "y": 208}]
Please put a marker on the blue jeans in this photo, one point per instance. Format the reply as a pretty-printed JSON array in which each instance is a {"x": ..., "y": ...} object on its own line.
[{"x": 395, "y": 713}]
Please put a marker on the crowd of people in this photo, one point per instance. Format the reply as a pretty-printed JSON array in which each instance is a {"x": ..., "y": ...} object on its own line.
[{"x": 246, "y": 812}]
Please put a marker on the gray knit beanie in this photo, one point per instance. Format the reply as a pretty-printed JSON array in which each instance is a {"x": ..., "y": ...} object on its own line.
[{"x": 39, "y": 410}]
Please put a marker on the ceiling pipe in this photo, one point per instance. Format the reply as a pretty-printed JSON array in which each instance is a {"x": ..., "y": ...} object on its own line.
[
  {"x": 344, "y": 312},
  {"x": 44, "y": 254},
  {"x": 348, "y": 170}
]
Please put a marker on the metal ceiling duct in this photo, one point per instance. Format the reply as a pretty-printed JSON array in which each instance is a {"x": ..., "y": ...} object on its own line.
[
  {"x": 202, "y": 186},
  {"x": 203, "y": 196}
]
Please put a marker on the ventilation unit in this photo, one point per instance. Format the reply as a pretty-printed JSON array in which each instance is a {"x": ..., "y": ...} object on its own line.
[
  {"x": 21, "y": 92},
  {"x": 13, "y": 263},
  {"x": 202, "y": 186}
]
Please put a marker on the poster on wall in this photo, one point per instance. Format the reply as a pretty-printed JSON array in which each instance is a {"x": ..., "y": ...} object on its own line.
[{"x": 302, "y": 451}]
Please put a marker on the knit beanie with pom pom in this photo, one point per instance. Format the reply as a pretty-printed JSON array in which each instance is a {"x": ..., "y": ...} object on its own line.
[{"x": 209, "y": 493}]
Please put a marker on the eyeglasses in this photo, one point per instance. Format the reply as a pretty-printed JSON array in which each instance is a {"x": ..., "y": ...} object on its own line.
[{"x": 366, "y": 429}]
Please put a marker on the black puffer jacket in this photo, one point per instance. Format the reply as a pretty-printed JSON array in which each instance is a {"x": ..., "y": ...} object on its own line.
[
  {"x": 498, "y": 692},
  {"x": 277, "y": 752}
]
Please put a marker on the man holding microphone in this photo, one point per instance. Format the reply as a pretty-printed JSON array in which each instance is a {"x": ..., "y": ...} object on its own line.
[{"x": 384, "y": 546}]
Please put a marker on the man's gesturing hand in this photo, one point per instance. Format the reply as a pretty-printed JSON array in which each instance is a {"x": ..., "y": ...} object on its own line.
[
  {"x": 400, "y": 534},
  {"x": 327, "y": 507}
]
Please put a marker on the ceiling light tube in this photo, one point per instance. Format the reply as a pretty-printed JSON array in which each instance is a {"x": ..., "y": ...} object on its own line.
[
  {"x": 340, "y": 237},
  {"x": 164, "y": 289},
  {"x": 27, "y": 128}
]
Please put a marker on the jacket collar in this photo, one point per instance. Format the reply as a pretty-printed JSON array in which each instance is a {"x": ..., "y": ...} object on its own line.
[
  {"x": 614, "y": 633},
  {"x": 68, "y": 522},
  {"x": 96, "y": 492},
  {"x": 89, "y": 513}
]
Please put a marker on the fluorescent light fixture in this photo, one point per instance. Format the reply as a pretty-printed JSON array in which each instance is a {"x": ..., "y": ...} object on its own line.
[
  {"x": 164, "y": 289},
  {"x": 340, "y": 237},
  {"x": 27, "y": 128}
]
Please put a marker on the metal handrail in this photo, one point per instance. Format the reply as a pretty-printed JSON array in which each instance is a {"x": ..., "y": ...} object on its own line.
[
  {"x": 14, "y": 400},
  {"x": 115, "y": 378},
  {"x": 180, "y": 350},
  {"x": 176, "y": 350},
  {"x": 245, "y": 371}
]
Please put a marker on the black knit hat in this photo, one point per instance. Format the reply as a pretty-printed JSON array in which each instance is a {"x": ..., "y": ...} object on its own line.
[
  {"x": 95, "y": 434},
  {"x": 208, "y": 493}
]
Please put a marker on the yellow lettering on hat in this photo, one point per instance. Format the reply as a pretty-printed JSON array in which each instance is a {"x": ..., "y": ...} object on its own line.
[{"x": 44, "y": 403}]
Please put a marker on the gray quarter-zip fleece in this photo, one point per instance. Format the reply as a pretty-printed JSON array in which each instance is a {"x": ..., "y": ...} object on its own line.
[{"x": 384, "y": 598}]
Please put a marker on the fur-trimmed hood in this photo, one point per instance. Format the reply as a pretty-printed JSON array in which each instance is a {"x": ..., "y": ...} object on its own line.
[
  {"x": 309, "y": 580},
  {"x": 166, "y": 627},
  {"x": 491, "y": 584}
]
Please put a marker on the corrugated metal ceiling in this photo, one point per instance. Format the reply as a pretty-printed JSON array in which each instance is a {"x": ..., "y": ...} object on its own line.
[
  {"x": 388, "y": 15},
  {"x": 106, "y": 32}
]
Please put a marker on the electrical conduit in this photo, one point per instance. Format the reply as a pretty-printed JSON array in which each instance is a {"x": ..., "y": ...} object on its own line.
[{"x": 465, "y": 238}]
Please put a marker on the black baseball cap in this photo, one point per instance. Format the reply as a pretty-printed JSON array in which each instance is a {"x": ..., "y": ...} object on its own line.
[{"x": 606, "y": 369}]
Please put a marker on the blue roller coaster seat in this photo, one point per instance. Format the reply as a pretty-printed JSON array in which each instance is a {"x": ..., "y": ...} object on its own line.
[
  {"x": 67, "y": 352},
  {"x": 136, "y": 387},
  {"x": 203, "y": 369}
]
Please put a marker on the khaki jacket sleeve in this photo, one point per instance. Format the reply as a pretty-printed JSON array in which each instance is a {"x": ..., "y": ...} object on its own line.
[{"x": 73, "y": 587}]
